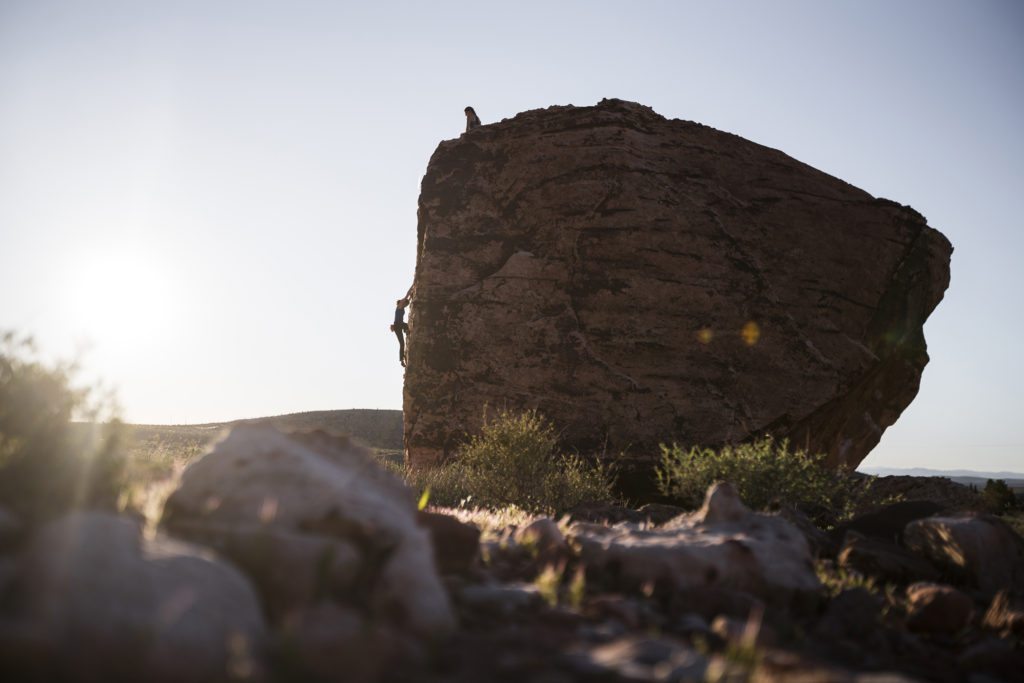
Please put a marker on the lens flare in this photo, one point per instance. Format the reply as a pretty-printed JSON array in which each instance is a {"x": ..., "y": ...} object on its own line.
[{"x": 751, "y": 333}]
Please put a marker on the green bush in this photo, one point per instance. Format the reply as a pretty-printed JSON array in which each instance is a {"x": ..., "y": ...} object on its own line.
[
  {"x": 515, "y": 461},
  {"x": 49, "y": 464},
  {"x": 997, "y": 497},
  {"x": 763, "y": 471}
]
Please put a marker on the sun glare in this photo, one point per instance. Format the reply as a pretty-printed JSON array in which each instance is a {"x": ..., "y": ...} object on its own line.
[{"x": 120, "y": 298}]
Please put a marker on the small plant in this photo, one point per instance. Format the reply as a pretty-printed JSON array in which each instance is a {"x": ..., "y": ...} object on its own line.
[
  {"x": 744, "y": 650},
  {"x": 577, "y": 587},
  {"x": 553, "y": 588},
  {"x": 835, "y": 579},
  {"x": 548, "y": 583},
  {"x": 762, "y": 471},
  {"x": 421, "y": 504},
  {"x": 515, "y": 461}
]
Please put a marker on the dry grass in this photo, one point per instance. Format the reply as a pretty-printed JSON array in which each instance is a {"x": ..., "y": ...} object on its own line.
[{"x": 492, "y": 523}]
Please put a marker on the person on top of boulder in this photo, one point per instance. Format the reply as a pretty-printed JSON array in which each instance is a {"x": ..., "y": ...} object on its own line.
[
  {"x": 472, "y": 120},
  {"x": 400, "y": 327}
]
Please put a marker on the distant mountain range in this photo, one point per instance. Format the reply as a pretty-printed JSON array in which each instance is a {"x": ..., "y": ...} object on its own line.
[{"x": 1014, "y": 480}]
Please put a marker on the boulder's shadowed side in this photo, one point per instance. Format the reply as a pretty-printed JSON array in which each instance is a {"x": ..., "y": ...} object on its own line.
[{"x": 642, "y": 280}]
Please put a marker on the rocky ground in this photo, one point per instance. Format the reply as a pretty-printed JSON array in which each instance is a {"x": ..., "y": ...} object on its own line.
[{"x": 295, "y": 558}]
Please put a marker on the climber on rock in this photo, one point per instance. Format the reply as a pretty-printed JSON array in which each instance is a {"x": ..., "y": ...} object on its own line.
[
  {"x": 472, "y": 120},
  {"x": 400, "y": 327}
]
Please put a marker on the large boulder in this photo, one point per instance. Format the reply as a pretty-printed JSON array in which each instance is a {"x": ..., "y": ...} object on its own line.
[
  {"x": 642, "y": 280},
  {"x": 100, "y": 601},
  {"x": 312, "y": 517},
  {"x": 723, "y": 545}
]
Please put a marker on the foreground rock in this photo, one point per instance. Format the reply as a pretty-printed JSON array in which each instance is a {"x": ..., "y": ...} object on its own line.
[
  {"x": 888, "y": 522},
  {"x": 639, "y": 660},
  {"x": 456, "y": 545},
  {"x": 313, "y": 518},
  {"x": 935, "y": 608},
  {"x": 979, "y": 550},
  {"x": 883, "y": 560},
  {"x": 643, "y": 280},
  {"x": 10, "y": 529},
  {"x": 101, "y": 602},
  {"x": 723, "y": 545},
  {"x": 1004, "y": 617}
]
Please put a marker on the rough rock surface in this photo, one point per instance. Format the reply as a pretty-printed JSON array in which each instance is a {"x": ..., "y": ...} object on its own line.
[
  {"x": 887, "y": 523},
  {"x": 328, "y": 642},
  {"x": 10, "y": 529},
  {"x": 544, "y": 536},
  {"x": 980, "y": 550},
  {"x": 935, "y": 608},
  {"x": 638, "y": 660},
  {"x": 942, "y": 492},
  {"x": 884, "y": 560},
  {"x": 642, "y": 280},
  {"x": 456, "y": 544},
  {"x": 722, "y": 545},
  {"x": 346, "y": 529},
  {"x": 1003, "y": 616},
  {"x": 103, "y": 602}
]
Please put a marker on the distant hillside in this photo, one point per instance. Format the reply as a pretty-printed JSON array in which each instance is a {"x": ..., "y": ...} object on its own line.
[
  {"x": 376, "y": 428},
  {"x": 381, "y": 429},
  {"x": 1016, "y": 485},
  {"x": 1015, "y": 480}
]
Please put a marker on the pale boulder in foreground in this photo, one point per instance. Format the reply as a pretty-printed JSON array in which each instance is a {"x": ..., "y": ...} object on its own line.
[{"x": 260, "y": 490}]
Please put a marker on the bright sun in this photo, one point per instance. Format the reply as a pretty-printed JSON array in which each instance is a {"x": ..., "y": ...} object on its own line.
[{"x": 120, "y": 298}]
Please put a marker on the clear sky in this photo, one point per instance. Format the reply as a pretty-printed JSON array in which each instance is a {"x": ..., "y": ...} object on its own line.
[{"x": 218, "y": 199}]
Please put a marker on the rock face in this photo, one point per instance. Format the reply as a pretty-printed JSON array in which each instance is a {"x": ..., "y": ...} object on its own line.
[{"x": 642, "y": 280}]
